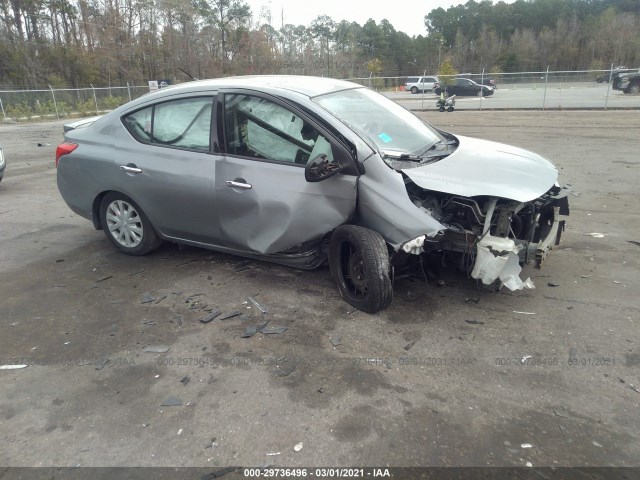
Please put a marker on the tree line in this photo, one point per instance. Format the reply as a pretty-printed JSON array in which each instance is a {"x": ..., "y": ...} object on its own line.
[{"x": 111, "y": 42}]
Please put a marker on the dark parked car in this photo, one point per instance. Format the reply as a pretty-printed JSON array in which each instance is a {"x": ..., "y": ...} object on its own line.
[
  {"x": 305, "y": 171},
  {"x": 480, "y": 79},
  {"x": 463, "y": 87},
  {"x": 627, "y": 81}
]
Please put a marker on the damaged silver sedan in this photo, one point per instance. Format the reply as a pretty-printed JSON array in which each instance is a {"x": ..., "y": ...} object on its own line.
[{"x": 304, "y": 171}]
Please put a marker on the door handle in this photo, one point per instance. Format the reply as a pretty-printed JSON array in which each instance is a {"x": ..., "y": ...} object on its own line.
[
  {"x": 243, "y": 186},
  {"x": 131, "y": 168}
]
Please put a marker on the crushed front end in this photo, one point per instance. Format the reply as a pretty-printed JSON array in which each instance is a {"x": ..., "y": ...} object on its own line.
[{"x": 492, "y": 237}]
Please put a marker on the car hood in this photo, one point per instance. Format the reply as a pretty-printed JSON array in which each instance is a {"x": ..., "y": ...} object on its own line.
[{"x": 480, "y": 167}]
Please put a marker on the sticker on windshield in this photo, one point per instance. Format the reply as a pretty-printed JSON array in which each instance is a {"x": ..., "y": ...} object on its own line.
[{"x": 384, "y": 137}]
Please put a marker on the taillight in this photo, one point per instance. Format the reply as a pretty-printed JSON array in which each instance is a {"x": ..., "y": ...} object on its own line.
[{"x": 63, "y": 149}]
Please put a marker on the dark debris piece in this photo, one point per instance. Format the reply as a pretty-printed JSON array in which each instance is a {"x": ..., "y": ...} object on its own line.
[
  {"x": 160, "y": 299},
  {"x": 149, "y": 322},
  {"x": 409, "y": 345},
  {"x": 218, "y": 473},
  {"x": 475, "y": 322},
  {"x": 249, "y": 332},
  {"x": 179, "y": 319},
  {"x": 335, "y": 341},
  {"x": 171, "y": 402},
  {"x": 552, "y": 284},
  {"x": 634, "y": 242},
  {"x": 472, "y": 300},
  {"x": 147, "y": 298},
  {"x": 273, "y": 330},
  {"x": 102, "y": 279},
  {"x": 230, "y": 315},
  {"x": 185, "y": 380},
  {"x": 210, "y": 317}
]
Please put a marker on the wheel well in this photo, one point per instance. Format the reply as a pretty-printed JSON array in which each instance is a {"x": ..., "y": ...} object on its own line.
[{"x": 95, "y": 209}]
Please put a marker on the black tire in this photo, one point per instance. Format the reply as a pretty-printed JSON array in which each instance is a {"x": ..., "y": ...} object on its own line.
[
  {"x": 437, "y": 91},
  {"x": 414, "y": 90},
  {"x": 359, "y": 263},
  {"x": 139, "y": 232},
  {"x": 450, "y": 109}
]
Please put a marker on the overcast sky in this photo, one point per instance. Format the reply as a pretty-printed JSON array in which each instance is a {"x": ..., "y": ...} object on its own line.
[{"x": 405, "y": 15}]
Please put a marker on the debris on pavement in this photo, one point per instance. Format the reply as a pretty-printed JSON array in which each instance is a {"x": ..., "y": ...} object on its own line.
[
  {"x": 147, "y": 298},
  {"x": 249, "y": 332},
  {"x": 335, "y": 341},
  {"x": 229, "y": 316},
  {"x": 594, "y": 235},
  {"x": 297, "y": 447},
  {"x": 273, "y": 330},
  {"x": 634, "y": 242},
  {"x": 409, "y": 345},
  {"x": 596, "y": 444},
  {"x": 552, "y": 284},
  {"x": 179, "y": 319},
  {"x": 102, "y": 364},
  {"x": 149, "y": 322},
  {"x": 475, "y": 322},
  {"x": 559, "y": 413},
  {"x": 210, "y": 317},
  {"x": 272, "y": 454},
  {"x": 102, "y": 279},
  {"x": 219, "y": 473},
  {"x": 529, "y": 464},
  {"x": 635, "y": 389},
  {"x": 525, "y": 358},
  {"x": 185, "y": 380},
  {"x": 12, "y": 367},
  {"x": 585, "y": 276},
  {"x": 524, "y": 313},
  {"x": 258, "y": 305},
  {"x": 526, "y": 445},
  {"x": 171, "y": 402},
  {"x": 156, "y": 349},
  {"x": 472, "y": 300},
  {"x": 160, "y": 299}
]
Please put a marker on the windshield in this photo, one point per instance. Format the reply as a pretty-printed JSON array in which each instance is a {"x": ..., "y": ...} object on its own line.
[{"x": 381, "y": 122}]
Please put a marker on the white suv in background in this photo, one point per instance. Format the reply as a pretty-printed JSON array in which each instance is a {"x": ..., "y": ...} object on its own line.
[{"x": 420, "y": 84}]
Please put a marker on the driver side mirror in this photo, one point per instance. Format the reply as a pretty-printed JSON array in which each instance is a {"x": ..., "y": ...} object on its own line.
[{"x": 320, "y": 168}]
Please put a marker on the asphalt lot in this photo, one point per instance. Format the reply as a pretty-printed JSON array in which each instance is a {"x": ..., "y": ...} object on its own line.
[
  {"x": 556, "y": 386},
  {"x": 569, "y": 95}
]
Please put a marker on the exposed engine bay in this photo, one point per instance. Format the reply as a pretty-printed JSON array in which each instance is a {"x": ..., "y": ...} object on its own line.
[{"x": 491, "y": 237}]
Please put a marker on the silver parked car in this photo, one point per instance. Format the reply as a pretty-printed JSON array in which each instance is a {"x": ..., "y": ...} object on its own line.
[
  {"x": 301, "y": 171},
  {"x": 420, "y": 84}
]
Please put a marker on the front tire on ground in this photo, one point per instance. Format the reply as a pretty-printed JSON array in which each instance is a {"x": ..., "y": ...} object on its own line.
[
  {"x": 126, "y": 226},
  {"x": 414, "y": 90},
  {"x": 359, "y": 263}
]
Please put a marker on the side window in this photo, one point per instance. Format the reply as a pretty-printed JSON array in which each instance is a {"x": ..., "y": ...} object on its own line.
[
  {"x": 258, "y": 128},
  {"x": 182, "y": 123},
  {"x": 139, "y": 124}
]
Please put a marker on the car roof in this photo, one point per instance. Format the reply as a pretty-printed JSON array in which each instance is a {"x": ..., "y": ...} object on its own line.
[{"x": 309, "y": 86}]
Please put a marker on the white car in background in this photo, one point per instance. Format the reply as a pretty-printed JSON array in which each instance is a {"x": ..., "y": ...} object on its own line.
[{"x": 420, "y": 84}]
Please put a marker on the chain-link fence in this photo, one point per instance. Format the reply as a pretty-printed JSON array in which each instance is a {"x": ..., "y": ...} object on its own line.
[
  {"x": 23, "y": 105},
  {"x": 590, "y": 89},
  {"x": 567, "y": 89}
]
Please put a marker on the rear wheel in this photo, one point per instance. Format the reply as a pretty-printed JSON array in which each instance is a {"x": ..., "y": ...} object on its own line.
[
  {"x": 126, "y": 226},
  {"x": 359, "y": 263},
  {"x": 634, "y": 89}
]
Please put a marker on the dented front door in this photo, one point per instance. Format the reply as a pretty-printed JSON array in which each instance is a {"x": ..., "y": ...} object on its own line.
[{"x": 263, "y": 201}]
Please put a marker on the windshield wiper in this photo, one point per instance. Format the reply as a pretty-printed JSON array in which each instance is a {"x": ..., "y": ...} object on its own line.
[{"x": 404, "y": 156}]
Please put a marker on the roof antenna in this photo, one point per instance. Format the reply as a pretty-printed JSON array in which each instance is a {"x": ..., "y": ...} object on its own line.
[{"x": 187, "y": 74}]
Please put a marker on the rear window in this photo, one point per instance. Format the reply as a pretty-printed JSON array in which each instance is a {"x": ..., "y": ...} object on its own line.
[{"x": 413, "y": 79}]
